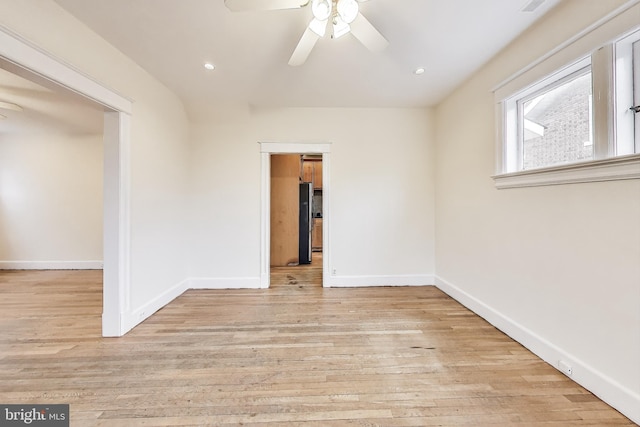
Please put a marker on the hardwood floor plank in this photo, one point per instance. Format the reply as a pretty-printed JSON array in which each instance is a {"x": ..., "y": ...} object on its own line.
[{"x": 295, "y": 354}]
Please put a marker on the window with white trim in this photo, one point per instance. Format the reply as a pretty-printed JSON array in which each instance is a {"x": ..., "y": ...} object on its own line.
[
  {"x": 583, "y": 117},
  {"x": 552, "y": 120},
  {"x": 627, "y": 81}
]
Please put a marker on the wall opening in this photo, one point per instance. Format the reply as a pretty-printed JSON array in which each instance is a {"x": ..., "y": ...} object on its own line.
[
  {"x": 27, "y": 60},
  {"x": 296, "y": 220},
  {"x": 322, "y": 153}
]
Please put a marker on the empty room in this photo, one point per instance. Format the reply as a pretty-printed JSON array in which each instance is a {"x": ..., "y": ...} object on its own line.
[{"x": 319, "y": 212}]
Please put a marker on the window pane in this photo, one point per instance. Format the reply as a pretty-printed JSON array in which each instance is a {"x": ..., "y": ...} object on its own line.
[{"x": 556, "y": 125}]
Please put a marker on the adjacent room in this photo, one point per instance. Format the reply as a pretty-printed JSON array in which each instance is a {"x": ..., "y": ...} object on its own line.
[{"x": 320, "y": 212}]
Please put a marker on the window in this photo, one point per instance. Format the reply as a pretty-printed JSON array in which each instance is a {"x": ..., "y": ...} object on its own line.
[
  {"x": 627, "y": 79},
  {"x": 575, "y": 124},
  {"x": 550, "y": 123},
  {"x": 555, "y": 123}
]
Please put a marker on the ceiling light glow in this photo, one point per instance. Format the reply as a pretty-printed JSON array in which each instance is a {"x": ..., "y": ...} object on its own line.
[
  {"x": 209, "y": 66},
  {"x": 419, "y": 71}
]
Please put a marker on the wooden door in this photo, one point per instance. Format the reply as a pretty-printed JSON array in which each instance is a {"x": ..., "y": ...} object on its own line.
[{"x": 285, "y": 205}]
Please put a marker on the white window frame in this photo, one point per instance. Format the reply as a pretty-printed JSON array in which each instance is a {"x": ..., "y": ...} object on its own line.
[
  {"x": 627, "y": 80},
  {"x": 616, "y": 149},
  {"x": 514, "y": 131}
]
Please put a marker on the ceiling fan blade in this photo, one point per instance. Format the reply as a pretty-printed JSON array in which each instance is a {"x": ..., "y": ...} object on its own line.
[
  {"x": 368, "y": 35},
  {"x": 245, "y": 5},
  {"x": 305, "y": 45}
]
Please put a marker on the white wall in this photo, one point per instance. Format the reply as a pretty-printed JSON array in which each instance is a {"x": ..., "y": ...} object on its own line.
[
  {"x": 50, "y": 199},
  {"x": 159, "y": 144},
  {"x": 382, "y": 189},
  {"x": 556, "y": 267},
  {"x": 559, "y": 264}
]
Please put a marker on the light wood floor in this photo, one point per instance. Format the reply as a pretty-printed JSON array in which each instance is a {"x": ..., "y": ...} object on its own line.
[
  {"x": 301, "y": 275},
  {"x": 291, "y": 355}
]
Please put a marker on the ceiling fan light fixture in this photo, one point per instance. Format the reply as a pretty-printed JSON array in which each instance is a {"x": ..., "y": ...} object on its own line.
[
  {"x": 321, "y": 9},
  {"x": 348, "y": 10},
  {"x": 340, "y": 28},
  {"x": 318, "y": 27}
]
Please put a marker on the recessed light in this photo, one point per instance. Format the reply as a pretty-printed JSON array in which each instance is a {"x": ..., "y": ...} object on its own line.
[
  {"x": 419, "y": 71},
  {"x": 209, "y": 66}
]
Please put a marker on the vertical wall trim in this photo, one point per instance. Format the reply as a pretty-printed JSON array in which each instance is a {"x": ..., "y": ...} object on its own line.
[
  {"x": 326, "y": 209},
  {"x": 265, "y": 221},
  {"x": 116, "y": 232},
  {"x": 602, "y": 64}
]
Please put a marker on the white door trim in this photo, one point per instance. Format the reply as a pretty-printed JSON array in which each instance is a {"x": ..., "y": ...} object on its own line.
[
  {"x": 30, "y": 61},
  {"x": 266, "y": 150}
]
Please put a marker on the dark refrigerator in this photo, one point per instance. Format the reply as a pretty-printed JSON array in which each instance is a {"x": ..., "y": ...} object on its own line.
[{"x": 306, "y": 222}]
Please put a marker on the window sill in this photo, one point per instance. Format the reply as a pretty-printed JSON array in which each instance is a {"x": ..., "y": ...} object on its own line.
[{"x": 612, "y": 169}]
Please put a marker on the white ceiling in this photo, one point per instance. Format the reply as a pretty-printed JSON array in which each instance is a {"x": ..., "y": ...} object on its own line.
[{"x": 172, "y": 39}]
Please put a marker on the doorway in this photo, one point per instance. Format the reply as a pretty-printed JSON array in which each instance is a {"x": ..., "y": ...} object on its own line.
[
  {"x": 296, "y": 220},
  {"x": 34, "y": 64},
  {"x": 321, "y": 151}
]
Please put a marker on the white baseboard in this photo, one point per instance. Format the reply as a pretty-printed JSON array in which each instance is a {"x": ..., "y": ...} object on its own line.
[
  {"x": 224, "y": 283},
  {"x": 131, "y": 319},
  {"x": 138, "y": 315},
  {"x": 51, "y": 265},
  {"x": 621, "y": 398},
  {"x": 376, "y": 281}
]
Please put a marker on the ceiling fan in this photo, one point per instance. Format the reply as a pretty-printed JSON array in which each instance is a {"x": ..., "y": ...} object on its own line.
[{"x": 343, "y": 15}]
